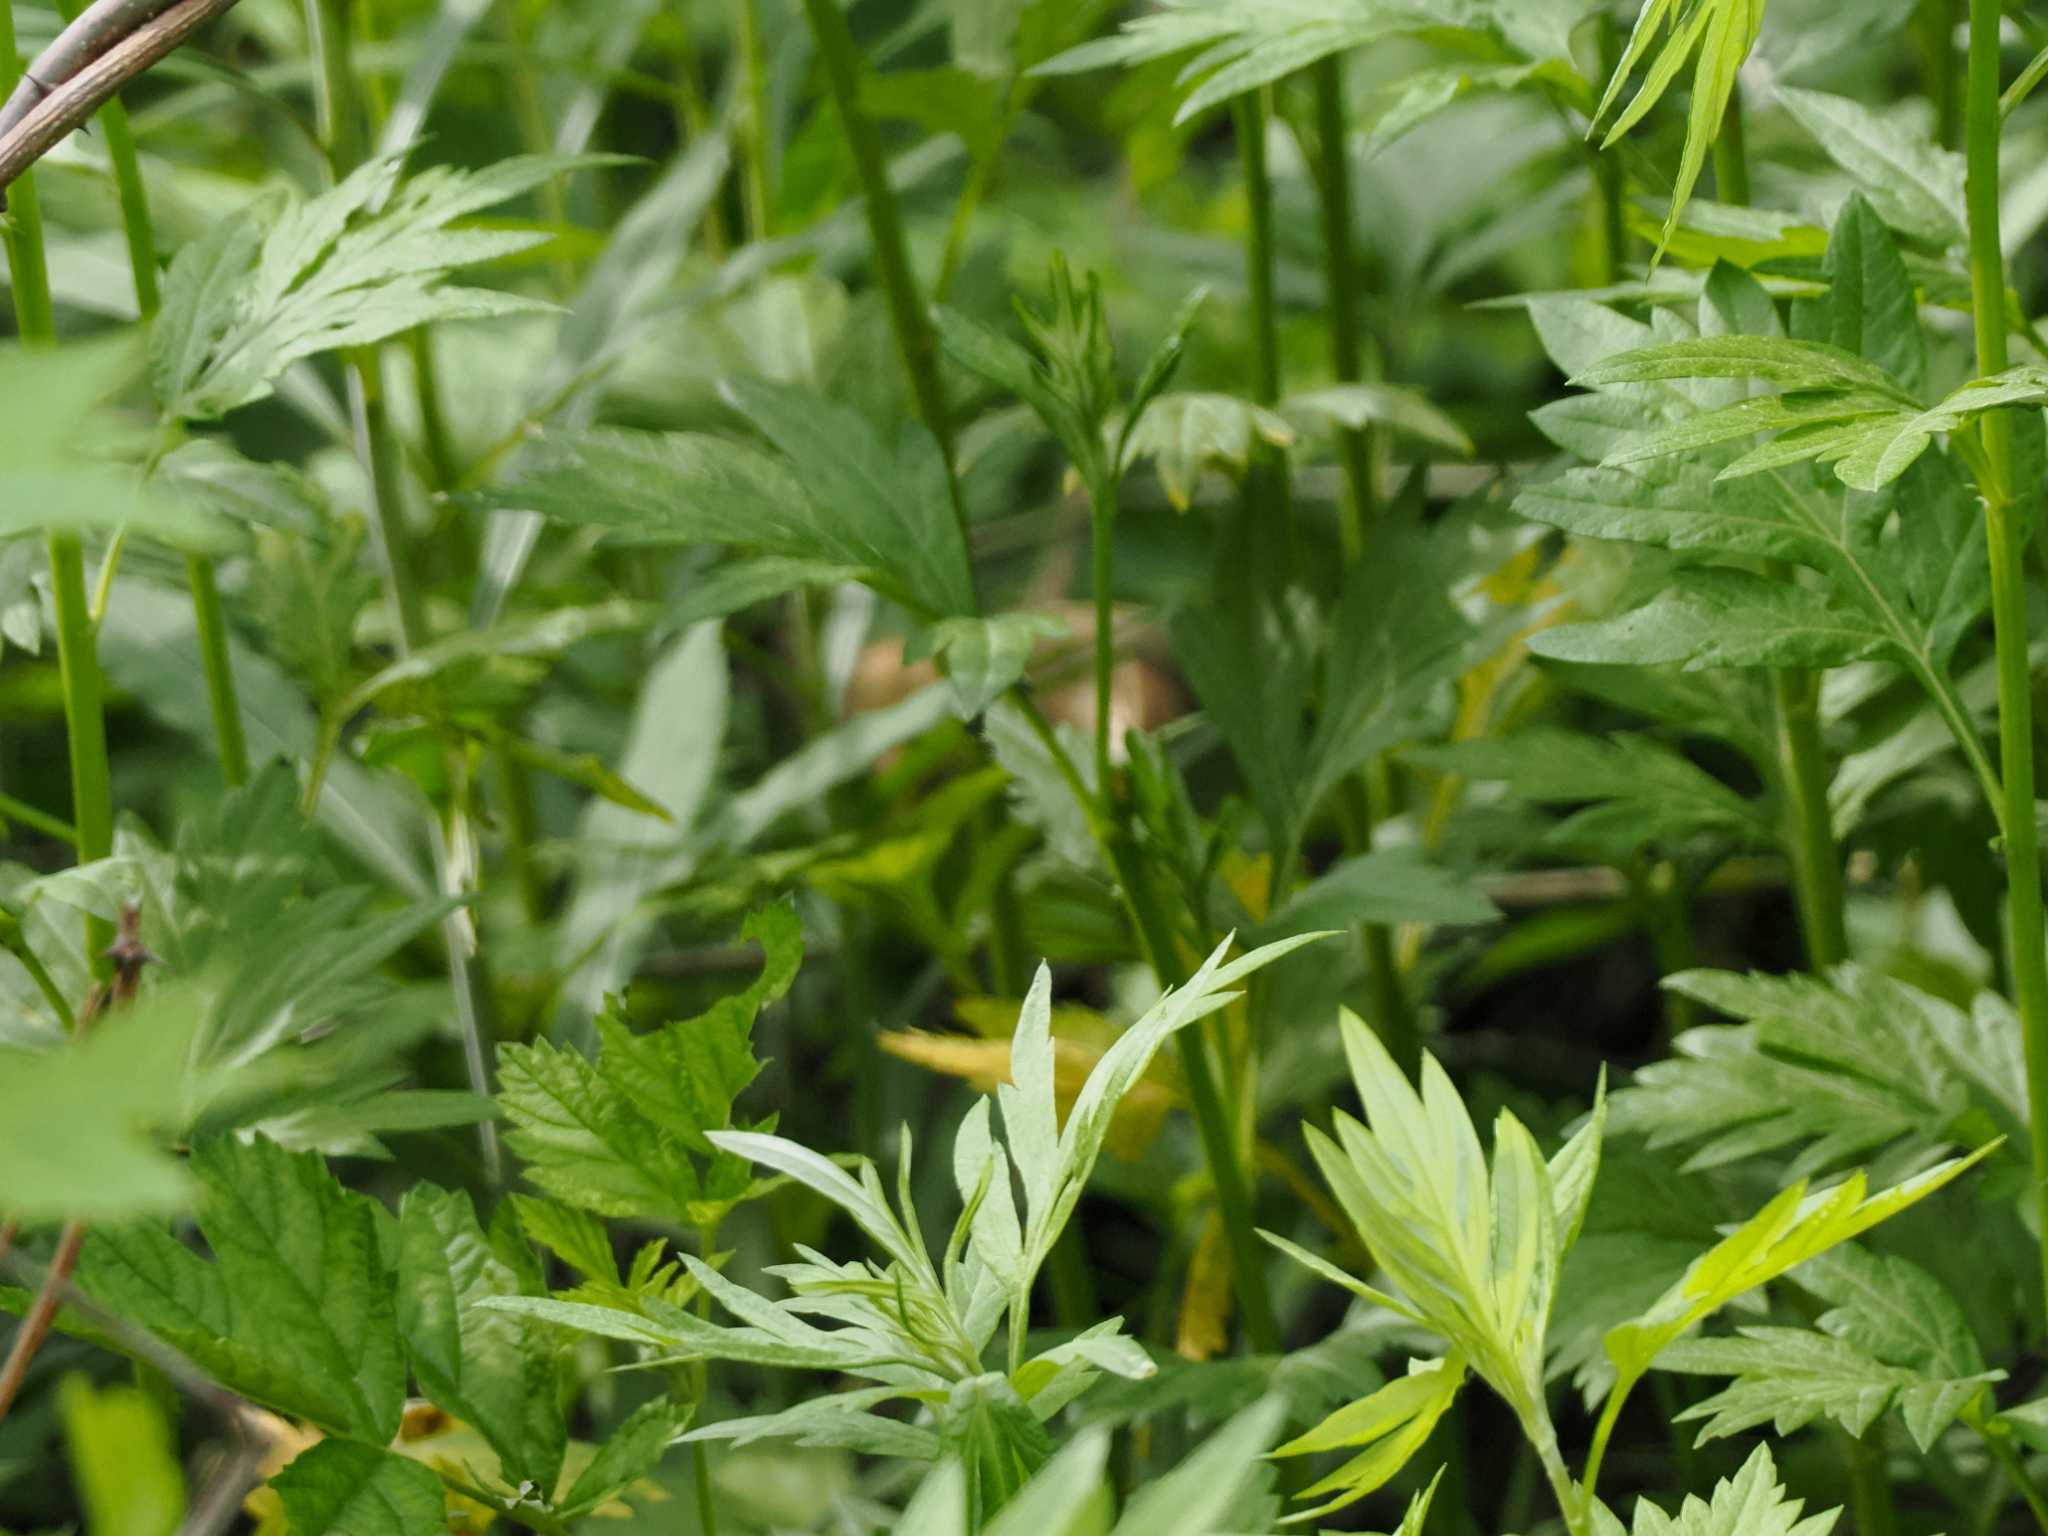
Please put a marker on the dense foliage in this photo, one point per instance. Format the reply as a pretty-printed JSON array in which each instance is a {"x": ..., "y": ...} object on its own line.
[{"x": 772, "y": 767}]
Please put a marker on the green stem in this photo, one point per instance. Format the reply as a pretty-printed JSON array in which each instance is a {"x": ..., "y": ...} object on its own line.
[
  {"x": 1603, "y": 1432},
  {"x": 1266, "y": 488},
  {"x": 1795, "y": 695},
  {"x": 1608, "y": 175},
  {"x": 1809, "y": 830},
  {"x": 754, "y": 142},
  {"x": 1731, "y": 156},
  {"x": 1347, "y": 349},
  {"x": 916, "y": 340},
  {"x": 1105, "y": 629},
  {"x": 1212, "y": 1118},
  {"x": 1934, "y": 31},
  {"x": 1363, "y": 806},
  {"x": 2006, "y": 529},
  {"x": 2008, "y": 1458},
  {"x": 1870, "y": 1490},
  {"x": 220, "y": 675},
  {"x": 85, "y": 721},
  {"x": 28, "y": 267},
  {"x": 12, "y": 809},
  {"x": 345, "y": 132}
]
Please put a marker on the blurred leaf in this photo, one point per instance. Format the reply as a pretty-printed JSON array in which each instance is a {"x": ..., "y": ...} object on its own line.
[
  {"x": 1915, "y": 185},
  {"x": 366, "y": 261},
  {"x": 123, "y": 1460}
]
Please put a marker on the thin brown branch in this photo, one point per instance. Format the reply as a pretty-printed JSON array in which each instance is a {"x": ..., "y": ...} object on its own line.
[
  {"x": 74, "y": 100},
  {"x": 42, "y": 1314}
]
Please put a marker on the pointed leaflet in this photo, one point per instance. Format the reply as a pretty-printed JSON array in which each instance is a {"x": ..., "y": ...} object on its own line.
[
  {"x": 1915, "y": 185},
  {"x": 1393, "y": 1424},
  {"x": 1723, "y": 31},
  {"x": 355, "y": 265},
  {"x": 1749, "y": 1504},
  {"x": 1844, "y": 1068},
  {"x": 630, "y": 1453},
  {"x": 1723, "y": 618},
  {"x": 1201, "y": 1495},
  {"x": 685, "y": 1076},
  {"x": 885, "y": 507},
  {"x": 1788, "y": 1377},
  {"x": 1787, "y": 1232},
  {"x": 296, "y": 1310},
  {"x": 489, "y": 1369},
  {"x": 1870, "y": 307},
  {"x": 622, "y": 1134}
]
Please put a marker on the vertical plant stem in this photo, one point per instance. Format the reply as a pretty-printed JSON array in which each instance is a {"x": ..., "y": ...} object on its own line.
[
  {"x": 1809, "y": 829},
  {"x": 1934, "y": 33},
  {"x": 1795, "y": 696},
  {"x": 1356, "y": 448},
  {"x": 1266, "y": 489},
  {"x": 28, "y": 268},
  {"x": 1363, "y": 805},
  {"x": 915, "y": 338},
  {"x": 1212, "y": 1117},
  {"x": 754, "y": 142},
  {"x": 85, "y": 724},
  {"x": 344, "y": 131},
  {"x": 1608, "y": 175},
  {"x": 2007, "y": 535},
  {"x": 1104, "y": 539},
  {"x": 85, "y": 721},
  {"x": 211, "y": 620}
]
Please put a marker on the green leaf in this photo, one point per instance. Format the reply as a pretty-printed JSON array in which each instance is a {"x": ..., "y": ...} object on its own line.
[
  {"x": 671, "y": 754},
  {"x": 1054, "y": 1502},
  {"x": 76, "y": 1122},
  {"x": 489, "y": 1369},
  {"x": 1355, "y": 407},
  {"x": 1913, "y": 184},
  {"x": 1786, "y": 1233},
  {"x": 623, "y": 1133},
  {"x": 339, "y": 1488},
  {"x": 837, "y": 495},
  {"x": 1892, "y": 1309},
  {"x": 1871, "y": 308},
  {"x": 628, "y": 1454},
  {"x": 1207, "y": 1491},
  {"x": 1387, "y": 885},
  {"x": 1722, "y": 32},
  {"x": 986, "y": 657},
  {"x": 1788, "y": 1377},
  {"x": 1850, "y": 1067},
  {"x": 296, "y": 1310},
  {"x": 67, "y": 456},
  {"x": 1639, "y": 790},
  {"x": 1749, "y": 1504},
  {"x": 282, "y": 281},
  {"x": 881, "y": 506},
  {"x": 1185, "y": 434},
  {"x": 1723, "y": 618},
  {"x": 123, "y": 1458},
  {"x": 1790, "y": 364},
  {"x": 1392, "y": 1424}
]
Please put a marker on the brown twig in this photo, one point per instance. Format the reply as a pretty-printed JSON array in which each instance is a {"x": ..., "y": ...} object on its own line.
[
  {"x": 42, "y": 1313},
  {"x": 74, "y": 100},
  {"x": 130, "y": 956}
]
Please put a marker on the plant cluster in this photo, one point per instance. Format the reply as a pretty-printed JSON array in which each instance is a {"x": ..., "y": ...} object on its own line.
[{"x": 615, "y": 619}]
